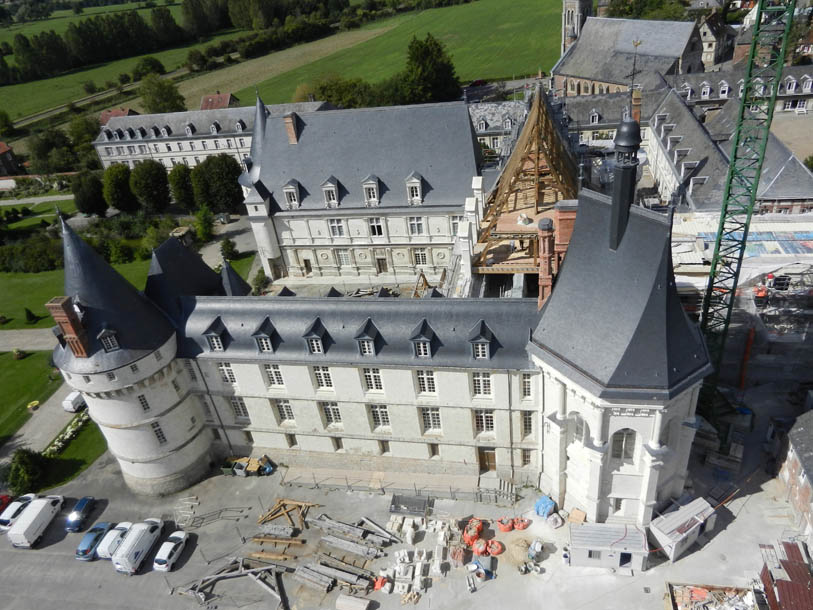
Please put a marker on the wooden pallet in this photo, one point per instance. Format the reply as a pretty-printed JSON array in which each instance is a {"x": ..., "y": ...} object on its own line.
[{"x": 284, "y": 507}]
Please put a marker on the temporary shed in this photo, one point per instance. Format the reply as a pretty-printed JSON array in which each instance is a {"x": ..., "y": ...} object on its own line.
[
  {"x": 608, "y": 545},
  {"x": 679, "y": 528}
]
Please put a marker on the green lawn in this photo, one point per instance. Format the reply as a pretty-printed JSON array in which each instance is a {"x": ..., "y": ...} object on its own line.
[
  {"x": 22, "y": 381},
  {"x": 80, "y": 453},
  {"x": 242, "y": 264},
  {"x": 60, "y": 20},
  {"x": 484, "y": 39},
  {"x": 66, "y": 206},
  {"x": 27, "y": 98},
  {"x": 33, "y": 290}
]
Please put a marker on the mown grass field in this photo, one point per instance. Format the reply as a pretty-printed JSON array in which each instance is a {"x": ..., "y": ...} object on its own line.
[
  {"x": 33, "y": 290},
  {"x": 486, "y": 39},
  {"x": 22, "y": 381},
  {"x": 80, "y": 453},
  {"x": 60, "y": 20},
  {"x": 27, "y": 98}
]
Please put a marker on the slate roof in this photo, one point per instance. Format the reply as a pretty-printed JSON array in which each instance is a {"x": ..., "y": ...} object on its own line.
[
  {"x": 733, "y": 79},
  {"x": 227, "y": 118},
  {"x": 609, "y": 107},
  {"x": 233, "y": 284},
  {"x": 495, "y": 113},
  {"x": 435, "y": 140},
  {"x": 608, "y": 536},
  {"x": 604, "y": 49},
  {"x": 614, "y": 323},
  {"x": 801, "y": 439},
  {"x": 783, "y": 175},
  {"x": 109, "y": 302},
  {"x": 345, "y": 319}
]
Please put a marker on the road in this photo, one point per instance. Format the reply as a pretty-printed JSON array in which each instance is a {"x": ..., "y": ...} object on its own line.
[{"x": 29, "y": 200}]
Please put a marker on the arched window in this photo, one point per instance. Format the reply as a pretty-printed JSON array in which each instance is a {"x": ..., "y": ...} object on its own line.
[{"x": 623, "y": 445}]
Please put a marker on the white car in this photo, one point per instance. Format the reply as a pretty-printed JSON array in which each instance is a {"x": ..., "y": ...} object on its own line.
[
  {"x": 112, "y": 540},
  {"x": 169, "y": 552},
  {"x": 14, "y": 510}
]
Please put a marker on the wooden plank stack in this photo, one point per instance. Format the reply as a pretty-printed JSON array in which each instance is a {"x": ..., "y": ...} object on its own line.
[{"x": 284, "y": 507}]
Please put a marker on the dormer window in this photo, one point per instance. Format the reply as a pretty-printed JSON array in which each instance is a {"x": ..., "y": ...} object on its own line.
[
  {"x": 264, "y": 336},
  {"x": 807, "y": 85},
  {"x": 291, "y": 191},
  {"x": 315, "y": 346},
  {"x": 625, "y": 114},
  {"x": 593, "y": 117},
  {"x": 481, "y": 339},
  {"x": 723, "y": 89},
  {"x": 422, "y": 349},
  {"x": 214, "y": 129},
  {"x": 481, "y": 126},
  {"x": 790, "y": 85},
  {"x": 117, "y": 135},
  {"x": 316, "y": 337},
  {"x": 480, "y": 351},
  {"x": 239, "y": 126},
  {"x": 215, "y": 343},
  {"x": 166, "y": 131},
  {"x": 330, "y": 191},
  {"x": 422, "y": 338},
  {"x": 108, "y": 340},
  {"x": 506, "y": 124},
  {"x": 687, "y": 89},
  {"x": 366, "y": 347},
  {"x": 189, "y": 129},
  {"x": 155, "y": 131},
  {"x": 108, "y": 135},
  {"x": 370, "y": 186},
  {"x": 366, "y": 338},
  {"x": 741, "y": 88},
  {"x": 705, "y": 92},
  {"x": 215, "y": 335},
  {"x": 414, "y": 183}
]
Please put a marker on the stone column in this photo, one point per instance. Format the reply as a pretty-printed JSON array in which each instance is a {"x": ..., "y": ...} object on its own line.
[
  {"x": 597, "y": 458},
  {"x": 655, "y": 436},
  {"x": 546, "y": 255},
  {"x": 652, "y": 466}
]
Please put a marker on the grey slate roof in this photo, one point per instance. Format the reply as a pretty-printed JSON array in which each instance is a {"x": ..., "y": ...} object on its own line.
[
  {"x": 391, "y": 322},
  {"x": 108, "y": 302},
  {"x": 202, "y": 120},
  {"x": 233, "y": 284},
  {"x": 801, "y": 439},
  {"x": 435, "y": 140},
  {"x": 783, "y": 175},
  {"x": 614, "y": 322},
  {"x": 734, "y": 77},
  {"x": 495, "y": 113},
  {"x": 608, "y": 536},
  {"x": 609, "y": 107},
  {"x": 604, "y": 49}
]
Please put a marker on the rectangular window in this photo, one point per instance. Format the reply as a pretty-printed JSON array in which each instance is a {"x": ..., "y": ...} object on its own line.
[
  {"x": 315, "y": 346},
  {"x": 158, "y": 356},
  {"x": 372, "y": 380},
  {"x": 480, "y": 351},
  {"x": 290, "y": 197},
  {"x": 594, "y": 554},
  {"x": 332, "y": 413},
  {"x": 216, "y": 434},
  {"x": 176, "y": 386},
  {"x": 618, "y": 504},
  {"x": 376, "y": 228},
  {"x": 111, "y": 376},
  {"x": 434, "y": 450},
  {"x": 338, "y": 445},
  {"x": 109, "y": 343},
  {"x": 190, "y": 368},
  {"x": 86, "y": 378},
  {"x": 343, "y": 257},
  {"x": 238, "y": 406},
  {"x": 526, "y": 385},
  {"x": 273, "y": 375},
  {"x": 264, "y": 344},
  {"x": 415, "y": 225},
  {"x": 226, "y": 372},
  {"x": 366, "y": 347},
  {"x": 159, "y": 434},
  {"x": 142, "y": 400},
  {"x": 430, "y": 416},
  {"x": 414, "y": 192},
  {"x": 330, "y": 195},
  {"x": 422, "y": 349},
  {"x": 285, "y": 411},
  {"x": 217, "y": 143},
  {"x": 526, "y": 457},
  {"x": 370, "y": 194},
  {"x": 323, "y": 377},
  {"x": 215, "y": 344},
  {"x": 419, "y": 256},
  {"x": 456, "y": 220},
  {"x": 380, "y": 416},
  {"x": 481, "y": 384},
  {"x": 527, "y": 423},
  {"x": 290, "y": 439},
  {"x": 134, "y": 368},
  {"x": 242, "y": 142},
  {"x": 426, "y": 382},
  {"x": 384, "y": 447},
  {"x": 336, "y": 227},
  {"x": 207, "y": 410},
  {"x": 483, "y": 420}
]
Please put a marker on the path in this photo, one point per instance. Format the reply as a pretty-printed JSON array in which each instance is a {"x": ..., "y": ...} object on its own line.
[
  {"x": 29, "y": 200},
  {"x": 238, "y": 231},
  {"x": 29, "y": 339},
  {"x": 43, "y": 426}
]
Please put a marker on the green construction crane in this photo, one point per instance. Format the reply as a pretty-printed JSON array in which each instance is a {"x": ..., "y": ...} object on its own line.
[{"x": 757, "y": 100}]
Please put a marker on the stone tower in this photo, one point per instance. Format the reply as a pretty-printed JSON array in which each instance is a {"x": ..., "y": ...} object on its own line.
[
  {"x": 119, "y": 350},
  {"x": 574, "y": 14},
  {"x": 621, "y": 363}
]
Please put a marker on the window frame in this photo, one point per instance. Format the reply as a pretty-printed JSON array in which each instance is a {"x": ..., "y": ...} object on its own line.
[
  {"x": 480, "y": 350},
  {"x": 226, "y": 372},
  {"x": 335, "y": 227},
  {"x": 372, "y": 379},
  {"x": 215, "y": 343},
  {"x": 420, "y": 257},
  {"x": 366, "y": 347},
  {"x": 484, "y": 421},
  {"x": 285, "y": 412},
  {"x": 423, "y": 349},
  {"x": 272, "y": 375},
  {"x": 375, "y": 226},
  {"x": 109, "y": 343},
  {"x": 415, "y": 226},
  {"x": 315, "y": 346},
  {"x": 526, "y": 387},
  {"x": 323, "y": 378},
  {"x": 527, "y": 423},
  {"x": 331, "y": 412},
  {"x": 380, "y": 416},
  {"x": 429, "y": 417},
  {"x": 264, "y": 344},
  {"x": 426, "y": 381},
  {"x": 239, "y": 409},
  {"x": 481, "y": 386}
]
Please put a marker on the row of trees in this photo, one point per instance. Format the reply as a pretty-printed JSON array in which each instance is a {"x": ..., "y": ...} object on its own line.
[
  {"x": 54, "y": 150},
  {"x": 429, "y": 76}
]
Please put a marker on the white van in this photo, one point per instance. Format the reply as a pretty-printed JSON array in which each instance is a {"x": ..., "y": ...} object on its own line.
[
  {"x": 112, "y": 540},
  {"x": 136, "y": 545},
  {"x": 28, "y": 529},
  {"x": 74, "y": 402}
]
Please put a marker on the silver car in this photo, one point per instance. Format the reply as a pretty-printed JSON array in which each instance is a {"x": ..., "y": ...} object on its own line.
[{"x": 112, "y": 540}]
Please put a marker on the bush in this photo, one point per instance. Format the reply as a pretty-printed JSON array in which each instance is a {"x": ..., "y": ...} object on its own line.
[
  {"x": 120, "y": 252},
  {"x": 228, "y": 249},
  {"x": 26, "y": 471},
  {"x": 89, "y": 87},
  {"x": 147, "y": 65},
  {"x": 259, "y": 283},
  {"x": 204, "y": 223}
]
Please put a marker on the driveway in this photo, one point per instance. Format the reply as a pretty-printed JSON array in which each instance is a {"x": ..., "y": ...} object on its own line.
[
  {"x": 29, "y": 200},
  {"x": 33, "y": 339},
  {"x": 45, "y": 423},
  {"x": 238, "y": 231}
]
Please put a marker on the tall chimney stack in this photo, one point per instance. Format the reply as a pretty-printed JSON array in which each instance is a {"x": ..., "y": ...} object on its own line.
[
  {"x": 627, "y": 142},
  {"x": 292, "y": 127},
  {"x": 61, "y": 309},
  {"x": 635, "y": 112}
]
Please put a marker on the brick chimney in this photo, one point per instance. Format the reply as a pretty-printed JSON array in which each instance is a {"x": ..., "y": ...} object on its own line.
[
  {"x": 292, "y": 127},
  {"x": 636, "y": 106},
  {"x": 65, "y": 316},
  {"x": 546, "y": 259},
  {"x": 564, "y": 217}
]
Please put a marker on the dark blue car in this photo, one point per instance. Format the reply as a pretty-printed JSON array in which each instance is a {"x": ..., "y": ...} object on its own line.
[
  {"x": 86, "y": 551},
  {"x": 79, "y": 514}
]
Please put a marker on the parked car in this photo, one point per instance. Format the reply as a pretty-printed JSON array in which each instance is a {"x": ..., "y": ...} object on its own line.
[
  {"x": 169, "y": 552},
  {"x": 81, "y": 511},
  {"x": 30, "y": 527},
  {"x": 112, "y": 540},
  {"x": 4, "y": 502},
  {"x": 86, "y": 551},
  {"x": 132, "y": 552},
  {"x": 74, "y": 402},
  {"x": 14, "y": 510}
]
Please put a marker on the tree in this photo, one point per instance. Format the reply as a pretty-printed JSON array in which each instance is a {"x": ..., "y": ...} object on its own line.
[
  {"x": 215, "y": 185},
  {"x": 809, "y": 162},
  {"x": 180, "y": 185},
  {"x": 6, "y": 126},
  {"x": 147, "y": 65},
  {"x": 228, "y": 249},
  {"x": 429, "y": 75},
  {"x": 259, "y": 283},
  {"x": 195, "y": 60},
  {"x": 124, "y": 78},
  {"x": 167, "y": 32},
  {"x": 83, "y": 129},
  {"x": 26, "y": 471},
  {"x": 148, "y": 182},
  {"x": 88, "y": 193},
  {"x": 204, "y": 223},
  {"x": 89, "y": 87},
  {"x": 50, "y": 151},
  {"x": 160, "y": 95},
  {"x": 116, "y": 188}
]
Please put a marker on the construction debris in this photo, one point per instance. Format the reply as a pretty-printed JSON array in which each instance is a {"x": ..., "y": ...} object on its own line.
[
  {"x": 202, "y": 590},
  {"x": 313, "y": 579},
  {"x": 263, "y": 555},
  {"x": 275, "y": 540},
  {"x": 348, "y": 602},
  {"x": 285, "y": 506},
  {"x": 374, "y": 534},
  {"x": 368, "y": 552},
  {"x": 283, "y": 531},
  {"x": 710, "y": 597}
]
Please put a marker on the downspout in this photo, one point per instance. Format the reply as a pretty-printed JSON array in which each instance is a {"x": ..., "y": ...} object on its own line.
[{"x": 214, "y": 407}]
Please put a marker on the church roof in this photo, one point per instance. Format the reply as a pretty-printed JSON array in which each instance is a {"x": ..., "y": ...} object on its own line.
[
  {"x": 614, "y": 323},
  {"x": 435, "y": 140},
  {"x": 233, "y": 284},
  {"x": 108, "y": 302}
]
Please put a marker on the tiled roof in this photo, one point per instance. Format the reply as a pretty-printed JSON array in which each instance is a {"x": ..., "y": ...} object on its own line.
[{"x": 218, "y": 101}]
